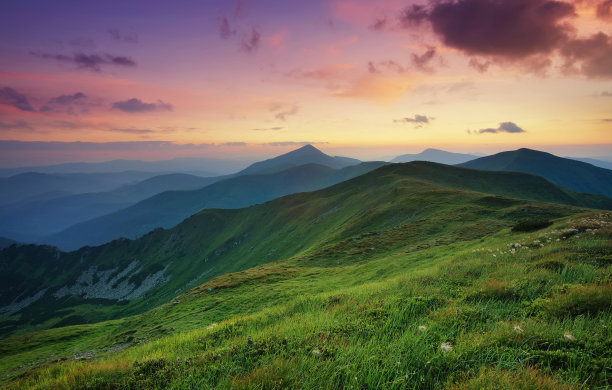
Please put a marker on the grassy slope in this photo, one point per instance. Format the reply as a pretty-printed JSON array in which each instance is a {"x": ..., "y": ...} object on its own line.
[
  {"x": 169, "y": 208},
  {"x": 216, "y": 242},
  {"x": 347, "y": 310}
]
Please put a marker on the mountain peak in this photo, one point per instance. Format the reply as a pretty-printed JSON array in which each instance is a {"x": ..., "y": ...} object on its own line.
[
  {"x": 308, "y": 148},
  {"x": 304, "y": 155}
]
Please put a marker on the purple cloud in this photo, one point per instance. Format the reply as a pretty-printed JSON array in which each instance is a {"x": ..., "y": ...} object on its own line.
[
  {"x": 135, "y": 105},
  {"x": 283, "y": 110},
  {"x": 91, "y": 62},
  {"x": 118, "y": 36},
  {"x": 593, "y": 54},
  {"x": 417, "y": 119},
  {"x": 10, "y": 97},
  {"x": 504, "y": 127},
  {"x": 511, "y": 29},
  {"x": 16, "y": 125},
  {"x": 422, "y": 61},
  {"x": 225, "y": 30},
  {"x": 67, "y": 99},
  {"x": 251, "y": 41}
]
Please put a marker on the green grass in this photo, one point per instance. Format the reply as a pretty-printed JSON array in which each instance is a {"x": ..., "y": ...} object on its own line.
[
  {"x": 416, "y": 205},
  {"x": 528, "y": 310}
]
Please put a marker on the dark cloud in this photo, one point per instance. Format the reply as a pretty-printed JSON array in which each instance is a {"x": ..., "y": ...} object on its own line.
[
  {"x": 67, "y": 99},
  {"x": 590, "y": 56},
  {"x": 240, "y": 10},
  {"x": 137, "y": 105},
  {"x": 511, "y": 29},
  {"x": 91, "y": 62},
  {"x": 504, "y": 127},
  {"x": 604, "y": 10},
  {"x": 16, "y": 125},
  {"x": 379, "y": 24},
  {"x": 480, "y": 66},
  {"x": 372, "y": 68},
  {"x": 10, "y": 97},
  {"x": 283, "y": 110},
  {"x": 235, "y": 144},
  {"x": 387, "y": 65},
  {"x": 118, "y": 36},
  {"x": 268, "y": 129},
  {"x": 225, "y": 30},
  {"x": 414, "y": 15},
  {"x": 606, "y": 93},
  {"x": 417, "y": 120},
  {"x": 250, "y": 42},
  {"x": 422, "y": 61},
  {"x": 607, "y": 120}
]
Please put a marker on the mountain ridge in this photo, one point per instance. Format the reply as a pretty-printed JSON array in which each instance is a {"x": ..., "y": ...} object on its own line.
[{"x": 571, "y": 174}]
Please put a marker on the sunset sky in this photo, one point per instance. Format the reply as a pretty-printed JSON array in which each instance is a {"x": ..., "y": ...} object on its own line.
[{"x": 364, "y": 78}]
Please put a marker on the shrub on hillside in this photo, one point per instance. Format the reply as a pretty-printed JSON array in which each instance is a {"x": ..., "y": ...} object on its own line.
[
  {"x": 531, "y": 225},
  {"x": 578, "y": 300}
]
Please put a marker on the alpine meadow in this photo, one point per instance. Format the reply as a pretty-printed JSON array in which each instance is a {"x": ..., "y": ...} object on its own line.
[{"x": 332, "y": 194}]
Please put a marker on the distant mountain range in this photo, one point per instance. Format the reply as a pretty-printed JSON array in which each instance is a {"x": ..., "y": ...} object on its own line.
[
  {"x": 42, "y": 286},
  {"x": 593, "y": 161},
  {"x": 171, "y": 207},
  {"x": 574, "y": 175},
  {"x": 436, "y": 155},
  {"x": 29, "y": 219},
  {"x": 52, "y": 212},
  {"x": 307, "y": 154},
  {"x": 198, "y": 166},
  {"x": 39, "y": 186}
]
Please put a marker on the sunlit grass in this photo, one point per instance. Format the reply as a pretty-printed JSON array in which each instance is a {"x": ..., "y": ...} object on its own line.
[{"x": 469, "y": 314}]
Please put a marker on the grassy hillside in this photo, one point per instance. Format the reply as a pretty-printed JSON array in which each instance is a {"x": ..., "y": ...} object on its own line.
[
  {"x": 42, "y": 287},
  {"x": 171, "y": 207},
  {"x": 408, "y": 285},
  {"x": 567, "y": 173}
]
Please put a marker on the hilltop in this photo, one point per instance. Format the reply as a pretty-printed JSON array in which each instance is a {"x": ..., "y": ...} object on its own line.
[
  {"x": 392, "y": 279},
  {"x": 43, "y": 287},
  {"x": 435, "y": 155},
  {"x": 307, "y": 154},
  {"x": 571, "y": 174}
]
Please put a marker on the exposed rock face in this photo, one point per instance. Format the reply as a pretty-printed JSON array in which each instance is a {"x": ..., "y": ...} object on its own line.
[
  {"x": 101, "y": 284},
  {"x": 19, "y": 304}
]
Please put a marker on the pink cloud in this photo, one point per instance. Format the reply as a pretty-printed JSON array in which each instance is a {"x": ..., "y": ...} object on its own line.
[{"x": 276, "y": 40}]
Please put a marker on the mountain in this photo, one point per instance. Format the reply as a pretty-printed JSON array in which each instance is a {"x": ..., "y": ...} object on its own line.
[
  {"x": 574, "y": 175},
  {"x": 593, "y": 161},
  {"x": 171, "y": 207},
  {"x": 6, "y": 242},
  {"x": 125, "y": 276},
  {"x": 28, "y": 220},
  {"x": 307, "y": 154},
  {"x": 41, "y": 215},
  {"x": 392, "y": 278},
  {"x": 435, "y": 155},
  {"x": 41, "y": 186},
  {"x": 198, "y": 166}
]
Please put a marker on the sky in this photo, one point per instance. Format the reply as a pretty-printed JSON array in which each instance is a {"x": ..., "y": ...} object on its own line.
[{"x": 99, "y": 80}]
